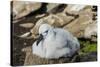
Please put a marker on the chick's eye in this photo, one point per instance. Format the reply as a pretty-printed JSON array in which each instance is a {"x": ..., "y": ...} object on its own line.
[{"x": 46, "y": 31}]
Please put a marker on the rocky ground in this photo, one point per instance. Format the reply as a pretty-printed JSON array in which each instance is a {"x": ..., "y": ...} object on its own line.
[{"x": 26, "y": 17}]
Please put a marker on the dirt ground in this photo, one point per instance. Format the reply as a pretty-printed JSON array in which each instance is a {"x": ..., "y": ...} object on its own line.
[{"x": 18, "y": 56}]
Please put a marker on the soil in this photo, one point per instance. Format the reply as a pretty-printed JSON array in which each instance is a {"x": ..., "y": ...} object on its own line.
[{"x": 17, "y": 56}]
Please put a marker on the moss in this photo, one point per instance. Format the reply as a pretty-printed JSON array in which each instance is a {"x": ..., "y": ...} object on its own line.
[{"x": 87, "y": 47}]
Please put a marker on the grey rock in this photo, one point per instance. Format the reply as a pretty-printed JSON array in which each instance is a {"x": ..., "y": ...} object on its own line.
[
  {"x": 90, "y": 31},
  {"x": 51, "y": 6},
  {"x": 27, "y": 25},
  {"x": 23, "y": 8},
  {"x": 78, "y": 25}
]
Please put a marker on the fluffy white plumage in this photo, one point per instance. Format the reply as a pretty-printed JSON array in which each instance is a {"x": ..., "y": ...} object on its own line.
[{"x": 56, "y": 43}]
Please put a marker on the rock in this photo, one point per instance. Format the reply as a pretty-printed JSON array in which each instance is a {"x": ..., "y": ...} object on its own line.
[
  {"x": 66, "y": 19},
  {"x": 40, "y": 16},
  {"x": 22, "y": 8},
  {"x": 26, "y": 25},
  {"x": 77, "y": 7},
  {"x": 25, "y": 35},
  {"x": 90, "y": 31},
  {"x": 74, "y": 9},
  {"x": 77, "y": 26},
  {"x": 55, "y": 8},
  {"x": 51, "y": 6},
  {"x": 28, "y": 35}
]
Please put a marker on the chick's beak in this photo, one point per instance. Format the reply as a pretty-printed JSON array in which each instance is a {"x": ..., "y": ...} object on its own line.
[{"x": 39, "y": 39}]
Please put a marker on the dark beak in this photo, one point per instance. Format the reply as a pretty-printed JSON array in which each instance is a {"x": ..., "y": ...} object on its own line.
[{"x": 39, "y": 39}]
